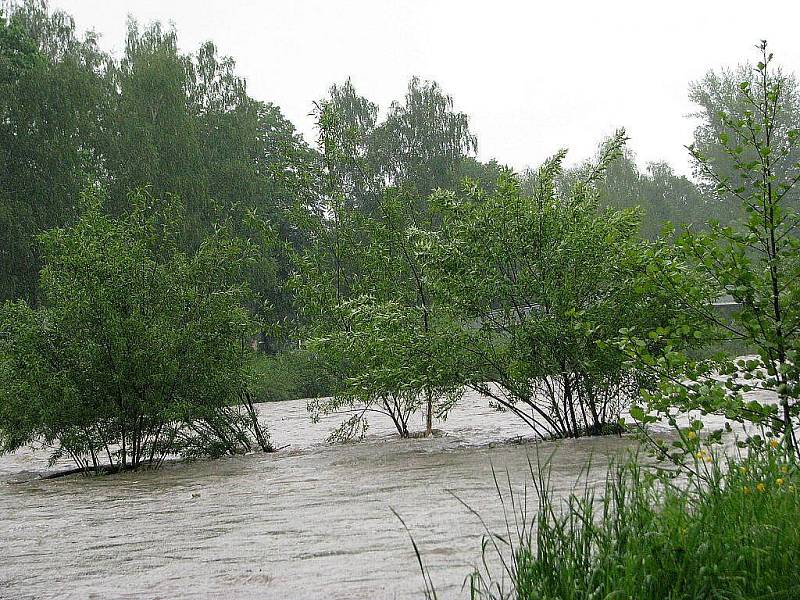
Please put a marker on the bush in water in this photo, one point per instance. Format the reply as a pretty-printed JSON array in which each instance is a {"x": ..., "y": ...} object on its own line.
[
  {"x": 540, "y": 284},
  {"x": 755, "y": 261},
  {"x": 137, "y": 351}
]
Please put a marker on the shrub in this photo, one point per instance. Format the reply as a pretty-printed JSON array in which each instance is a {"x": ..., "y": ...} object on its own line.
[{"x": 137, "y": 351}]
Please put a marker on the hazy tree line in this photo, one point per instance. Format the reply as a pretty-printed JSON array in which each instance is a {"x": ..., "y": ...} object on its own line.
[
  {"x": 148, "y": 202},
  {"x": 155, "y": 118}
]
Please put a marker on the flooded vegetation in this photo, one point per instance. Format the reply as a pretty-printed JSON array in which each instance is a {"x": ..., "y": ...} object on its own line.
[
  {"x": 312, "y": 520},
  {"x": 521, "y": 384}
]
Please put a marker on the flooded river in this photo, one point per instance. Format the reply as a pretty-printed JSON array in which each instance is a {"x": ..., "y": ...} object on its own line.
[{"x": 311, "y": 521}]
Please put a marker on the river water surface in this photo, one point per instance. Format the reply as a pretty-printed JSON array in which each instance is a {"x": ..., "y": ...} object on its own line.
[{"x": 311, "y": 521}]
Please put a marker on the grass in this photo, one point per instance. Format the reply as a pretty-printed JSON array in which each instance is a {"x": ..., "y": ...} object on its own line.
[{"x": 733, "y": 533}]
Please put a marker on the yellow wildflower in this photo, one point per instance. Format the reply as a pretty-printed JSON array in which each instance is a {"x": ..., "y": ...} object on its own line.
[
  {"x": 691, "y": 435},
  {"x": 746, "y": 490},
  {"x": 760, "y": 487},
  {"x": 773, "y": 443},
  {"x": 779, "y": 481}
]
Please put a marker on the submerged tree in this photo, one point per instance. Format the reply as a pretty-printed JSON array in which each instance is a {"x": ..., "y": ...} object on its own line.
[
  {"x": 364, "y": 296},
  {"x": 541, "y": 284},
  {"x": 138, "y": 351}
]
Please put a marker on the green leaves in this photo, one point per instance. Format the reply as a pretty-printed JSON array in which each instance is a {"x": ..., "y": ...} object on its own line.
[
  {"x": 750, "y": 261},
  {"x": 138, "y": 346},
  {"x": 542, "y": 284},
  {"x": 641, "y": 415},
  {"x": 367, "y": 305}
]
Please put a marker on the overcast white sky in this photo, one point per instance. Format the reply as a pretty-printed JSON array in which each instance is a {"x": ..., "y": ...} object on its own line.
[{"x": 533, "y": 76}]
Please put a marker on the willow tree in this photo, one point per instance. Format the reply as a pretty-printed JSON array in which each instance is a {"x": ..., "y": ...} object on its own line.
[
  {"x": 138, "y": 351},
  {"x": 541, "y": 284}
]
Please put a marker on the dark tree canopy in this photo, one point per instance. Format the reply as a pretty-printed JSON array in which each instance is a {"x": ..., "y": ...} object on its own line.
[
  {"x": 157, "y": 119},
  {"x": 52, "y": 98}
]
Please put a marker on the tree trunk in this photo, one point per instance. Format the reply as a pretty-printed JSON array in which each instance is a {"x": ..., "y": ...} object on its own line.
[
  {"x": 429, "y": 415},
  {"x": 570, "y": 402},
  {"x": 258, "y": 431}
]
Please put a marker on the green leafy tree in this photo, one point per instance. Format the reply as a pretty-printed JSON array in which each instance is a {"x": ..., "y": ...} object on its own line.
[
  {"x": 183, "y": 124},
  {"x": 421, "y": 145},
  {"x": 348, "y": 124},
  {"x": 363, "y": 294},
  {"x": 718, "y": 95},
  {"x": 138, "y": 351},
  {"x": 52, "y": 99},
  {"x": 422, "y": 142},
  {"x": 662, "y": 195},
  {"x": 541, "y": 284},
  {"x": 755, "y": 261}
]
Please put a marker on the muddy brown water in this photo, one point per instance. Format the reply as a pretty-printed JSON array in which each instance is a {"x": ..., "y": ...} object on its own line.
[{"x": 311, "y": 521}]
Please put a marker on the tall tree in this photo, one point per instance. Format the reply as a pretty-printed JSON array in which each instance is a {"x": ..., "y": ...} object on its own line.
[
  {"x": 755, "y": 260},
  {"x": 363, "y": 292},
  {"x": 155, "y": 118},
  {"x": 663, "y": 196},
  {"x": 422, "y": 142},
  {"x": 348, "y": 124},
  {"x": 52, "y": 100},
  {"x": 719, "y": 94}
]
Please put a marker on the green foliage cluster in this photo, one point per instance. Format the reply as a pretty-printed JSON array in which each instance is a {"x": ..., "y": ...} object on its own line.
[
  {"x": 541, "y": 284},
  {"x": 138, "y": 351},
  {"x": 182, "y": 126},
  {"x": 732, "y": 535},
  {"x": 519, "y": 296},
  {"x": 718, "y": 96},
  {"x": 423, "y": 144},
  {"x": 50, "y": 103},
  {"x": 155, "y": 118},
  {"x": 407, "y": 280},
  {"x": 754, "y": 261},
  {"x": 288, "y": 375},
  {"x": 525, "y": 282}
]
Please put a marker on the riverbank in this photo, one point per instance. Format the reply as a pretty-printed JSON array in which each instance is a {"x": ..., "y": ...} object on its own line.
[{"x": 730, "y": 531}]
